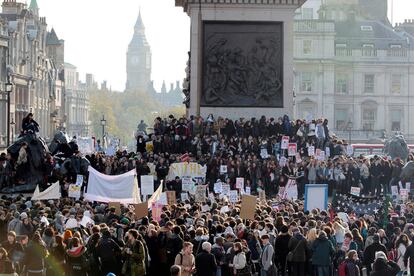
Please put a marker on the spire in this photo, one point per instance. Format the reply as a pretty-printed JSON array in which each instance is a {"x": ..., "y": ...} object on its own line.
[
  {"x": 139, "y": 25},
  {"x": 34, "y": 7}
]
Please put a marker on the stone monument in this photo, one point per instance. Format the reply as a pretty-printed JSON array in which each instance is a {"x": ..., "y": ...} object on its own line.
[{"x": 241, "y": 57}]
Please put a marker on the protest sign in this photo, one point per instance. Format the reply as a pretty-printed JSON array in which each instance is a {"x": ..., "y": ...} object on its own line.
[
  {"x": 147, "y": 185},
  {"x": 184, "y": 196},
  {"x": 349, "y": 150},
  {"x": 285, "y": 142},
  {"x": 290, "y": 192},
  {"x": 240, "y": 183},
  {"x": 408, "y": 186},
  {"x": 163, "y": 199},
  {"x": 189, "y": 169},
  {"x": 171, "y": 198},
  {"x": 156, "y": 211},
  {"x": 225, "y": 189},
  {"x": 356, "y": 191},
  {"x": 224, "y": 209},
  {"x": 327, "y": 152},
  {"x": 205, "y": 208},
  {"x": 403, "y": 194},
  {"x": 74, "y": 191},
  {"x": 187, "y": 184},
  {"x": 292, "y": 149},
  {"x": 316, "y": 196},
  {"x": 200, "y": 193},
  {"x": 233, "y": 196},
  {"x": 394, "y": 190},
  {"x": 218, "y": 188},
  {"x": 79, "y": 180},
  {"x": 317, "y": 153},
  {"x": 248, "y": 207},
  {"x": 262, "y": 196},
  {"x": 223, "y": 169},
  {"x": 283, "y": 161},
  {"x": 311, "y": 151},
  {"x": 298, "y": 158},
  {"x": 248, "y": 191},
  {"x": 155, "y": 196},
  {"x": 264, "y": 153},
  {"x": 141, "y": 210},
  {"x": 87, "y": 221},
  {"x": 116, "y": 205}
]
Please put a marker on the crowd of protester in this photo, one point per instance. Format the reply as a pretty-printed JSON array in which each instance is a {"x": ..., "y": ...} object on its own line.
[{"x": 49, "y": 238}]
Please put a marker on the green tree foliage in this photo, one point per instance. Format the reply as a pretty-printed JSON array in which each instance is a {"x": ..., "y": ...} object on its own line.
[{"x": 123, "y": 112}]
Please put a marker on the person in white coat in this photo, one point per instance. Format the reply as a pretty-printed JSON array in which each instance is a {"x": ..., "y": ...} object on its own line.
[
  {"x": 401, "y": 246},
  {"x": 239, "y": 260}
]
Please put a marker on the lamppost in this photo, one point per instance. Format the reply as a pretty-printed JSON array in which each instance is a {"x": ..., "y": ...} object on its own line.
[
  {"x": 349, "y": 127},
  {"x": 8, "y": 88},
  {"x": 12, "y": 130},
  {"x": 103, "y": 123}
]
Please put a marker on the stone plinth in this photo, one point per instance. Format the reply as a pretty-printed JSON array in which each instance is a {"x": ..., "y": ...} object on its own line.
[{"x": 241, "y": 57}]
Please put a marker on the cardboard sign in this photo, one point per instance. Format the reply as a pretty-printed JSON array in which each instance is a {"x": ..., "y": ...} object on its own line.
[
  {"x": 171, "y": 198},
  {"x": 79, "y": 180},
  {"x": 184, "y": 196},
  {"x": 356, "y": 191},
  {"x": 116, "y": 205},
  {"x": 218, "y": 188},
  {"x": 311, "y": 151},
  {"x": 285, "y": 142},
  {"x": 141, "y": 210},
  {"x": 223, "y": 169},
  {"x": 292, "y": 149},
  {"x": 74, "y": 191},
  {"x": 200, "y": 194},
  {"x": 248, "y": 207},
  {"x": 225, "y": 189},
  {"x": 240, "y": 183},
  {"x": 262, "y": 196},
  {"x": 233, "y": 196},
  {"x": 147, "y": 185}
]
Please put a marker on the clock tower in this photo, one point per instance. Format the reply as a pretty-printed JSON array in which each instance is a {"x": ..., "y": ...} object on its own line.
[{"x": 138, "y": 65}]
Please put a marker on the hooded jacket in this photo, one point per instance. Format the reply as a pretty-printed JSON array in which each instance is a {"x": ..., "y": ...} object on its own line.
[
  {"x": 76, "y": 260},
  {"x": 383, "y": 268},
  {"x": 323, "y": 250}
]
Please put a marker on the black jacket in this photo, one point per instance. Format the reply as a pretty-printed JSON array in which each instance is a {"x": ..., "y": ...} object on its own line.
[
  {"x": 369, "y": 253},
  {"x": 384, "y": 268},
  {"x": 409, "y": 253},
  {"x": 205, "y": 264}
]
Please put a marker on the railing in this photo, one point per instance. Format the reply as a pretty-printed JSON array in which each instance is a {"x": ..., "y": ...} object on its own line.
[
  {"x": 359, "y": 135},
  {"x": 397, "y": 52},
  {"x": 369, "y": 53},
  {"x": 343, "y": 52}
]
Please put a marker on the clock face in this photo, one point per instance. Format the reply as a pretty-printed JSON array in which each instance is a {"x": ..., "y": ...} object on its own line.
[{"x": 135, "y": 60}]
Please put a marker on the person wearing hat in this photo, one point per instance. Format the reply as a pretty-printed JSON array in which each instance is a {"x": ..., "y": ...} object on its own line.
[
  {"x": 371, "y": 250},
  {"x": 383, "y": 267}
]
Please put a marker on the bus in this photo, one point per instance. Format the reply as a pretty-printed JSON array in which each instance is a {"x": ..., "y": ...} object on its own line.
[{"x": 372, "y": 149}]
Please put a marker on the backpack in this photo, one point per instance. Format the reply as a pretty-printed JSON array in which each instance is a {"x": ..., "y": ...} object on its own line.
[{"x": 342, "y": 269}]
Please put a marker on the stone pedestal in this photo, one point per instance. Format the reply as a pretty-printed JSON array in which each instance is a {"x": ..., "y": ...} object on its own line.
[{"x": 241, "y": 57}]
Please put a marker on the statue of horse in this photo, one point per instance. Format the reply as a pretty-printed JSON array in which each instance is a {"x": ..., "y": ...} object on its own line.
[
  {"x": 396, "y": 146},
  {"x": 60, "y": 145}
]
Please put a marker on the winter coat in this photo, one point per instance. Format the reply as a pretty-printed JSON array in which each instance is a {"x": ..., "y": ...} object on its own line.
[
  {"x": 239, "y": 261},
  {"x": 185, "y": 261},
  {"x": 205, "y": 264},
  {"x": 383, "y": 268},
  {"x": 351, "y": 268},
  {"x": 35, "y": 257},
  {"x": 323, "y": 251},
  {"x": 76, "y": 261},
  {"x": 135, "y": 262},
  {"x": 369, "y": 253},
  {"x": 301, "y": 253},
  {"x": 219, "y": 254}
]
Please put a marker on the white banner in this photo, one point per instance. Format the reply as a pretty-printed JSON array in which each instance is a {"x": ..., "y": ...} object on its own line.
[
  {"x": 112, "y": 188},
  {"x": 53, "y": 192},
  {"x": 193, "y": 170}
]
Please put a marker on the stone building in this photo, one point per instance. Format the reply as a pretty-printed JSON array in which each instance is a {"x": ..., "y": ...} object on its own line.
[
  {"x": 353, "y": 68},
  {"x": 35, "y": 60},
  {"x": 76, "y": 103},
  {"x": 138, "y": 67}
]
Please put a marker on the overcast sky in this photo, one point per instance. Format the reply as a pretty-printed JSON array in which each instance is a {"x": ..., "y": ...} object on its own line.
[{"x": 97, "y": 34}]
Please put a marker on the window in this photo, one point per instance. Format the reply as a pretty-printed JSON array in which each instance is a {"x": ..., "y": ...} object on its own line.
[
  {"x": 369, "y": 116},
  {"x": 307, "y": 13},
  {"x": 306, "y": 84},
  {"x": 369, "y": 82},
  {"x": 307, "y": 47},
  {"x": 368, "y": 50},
  {"x": 396, "y": 84},
  {"x": 341, "y": 83},
  {"x": 341, "y": 118},
  {"x": 395, "y": 46},
  {"x": 396, "y": 116}
]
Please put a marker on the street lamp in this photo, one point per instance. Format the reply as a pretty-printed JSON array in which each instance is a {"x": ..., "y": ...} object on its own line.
[
  {"x": 103, "y": 123},
  {"x": 12, "y": 124},
  {"x": 8, "y": 88},
  {"x": 349, "y": 127}
]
